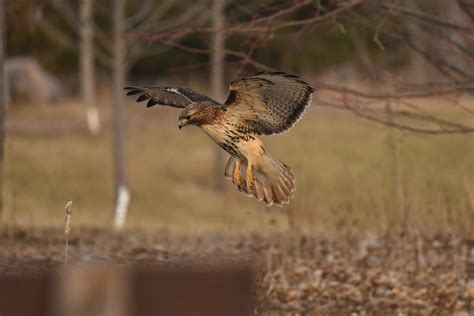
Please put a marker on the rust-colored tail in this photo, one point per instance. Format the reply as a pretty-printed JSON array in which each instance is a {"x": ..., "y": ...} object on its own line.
[{"x": 274, "y": 182}]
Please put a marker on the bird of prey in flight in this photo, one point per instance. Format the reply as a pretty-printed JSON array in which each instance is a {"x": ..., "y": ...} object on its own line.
[{"x": 262, "y": 104}]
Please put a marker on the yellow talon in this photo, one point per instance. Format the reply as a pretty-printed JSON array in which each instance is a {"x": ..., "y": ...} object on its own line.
[
  {"x": 250, "y": 177},
  {"x": 238, "y": 180}
]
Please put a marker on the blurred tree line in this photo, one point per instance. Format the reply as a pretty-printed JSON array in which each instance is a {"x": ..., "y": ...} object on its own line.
[
  {"x": 40, "y": 28},
  {"x": 364, "y": 35}
]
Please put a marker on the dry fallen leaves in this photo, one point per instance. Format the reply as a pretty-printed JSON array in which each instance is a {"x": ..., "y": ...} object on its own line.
[{"x": 297, "y": 275}]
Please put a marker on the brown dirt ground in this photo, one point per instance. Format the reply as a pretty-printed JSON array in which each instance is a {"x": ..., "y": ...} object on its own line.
[{"x": 296, "y": 274}]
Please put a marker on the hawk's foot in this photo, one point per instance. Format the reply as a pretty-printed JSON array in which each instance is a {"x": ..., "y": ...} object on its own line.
[
  {"x": 239, "y": 181},
  {"x": 237, "y": 178}
]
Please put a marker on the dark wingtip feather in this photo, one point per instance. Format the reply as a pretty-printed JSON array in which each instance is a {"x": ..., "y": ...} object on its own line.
[
  {"x": 151, "y": 102},
  {"x": 141, "y": 98},
  {"x": 133, "y": 92},
  {"x": 130, "y": 88}
]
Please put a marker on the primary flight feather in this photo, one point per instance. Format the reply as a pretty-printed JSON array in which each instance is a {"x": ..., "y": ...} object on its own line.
[{"x": 262, "y": 104}]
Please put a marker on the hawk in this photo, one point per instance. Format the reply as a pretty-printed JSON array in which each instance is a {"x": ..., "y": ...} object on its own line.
[{"x": 265, "y": 103}]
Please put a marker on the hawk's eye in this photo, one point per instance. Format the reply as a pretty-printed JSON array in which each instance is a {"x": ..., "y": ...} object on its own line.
[{"x": 188, "y": 117}]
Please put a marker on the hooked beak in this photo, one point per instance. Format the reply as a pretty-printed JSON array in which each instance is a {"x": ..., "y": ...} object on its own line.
[{"x": 182, "y": 122}]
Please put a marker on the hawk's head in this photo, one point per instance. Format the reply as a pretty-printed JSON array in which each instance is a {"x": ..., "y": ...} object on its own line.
[{"x": 198, "y": 114}]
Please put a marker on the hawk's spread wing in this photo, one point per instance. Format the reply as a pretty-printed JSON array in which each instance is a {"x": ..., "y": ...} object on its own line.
[
  {"x": 177, "y": 97},
  {"x": 268, "y": 102}
]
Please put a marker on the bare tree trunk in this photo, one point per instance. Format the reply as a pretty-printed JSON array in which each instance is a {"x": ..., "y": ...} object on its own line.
[
  {"x": 393, "y": 140},
  {"x": 88, "y": 83},
  {"x": 122, "y": 194},
  {"x": 2, "y": 103},
  {"x": 217, "y": 76},
  {"x": 398, "y": 181}
]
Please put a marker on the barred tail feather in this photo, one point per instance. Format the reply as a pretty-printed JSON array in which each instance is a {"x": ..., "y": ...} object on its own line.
[{"x": 274, "y": 182}]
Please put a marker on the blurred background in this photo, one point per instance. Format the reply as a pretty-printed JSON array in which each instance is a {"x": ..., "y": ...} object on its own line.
[{"x": 387, "y": 145}]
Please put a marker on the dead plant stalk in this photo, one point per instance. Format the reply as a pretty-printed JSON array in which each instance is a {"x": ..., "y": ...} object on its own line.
[{"x": 67, "y": 228}]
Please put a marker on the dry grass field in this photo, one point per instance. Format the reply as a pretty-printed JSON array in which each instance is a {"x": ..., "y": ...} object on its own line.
[{"x": 347, "y": 176}]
